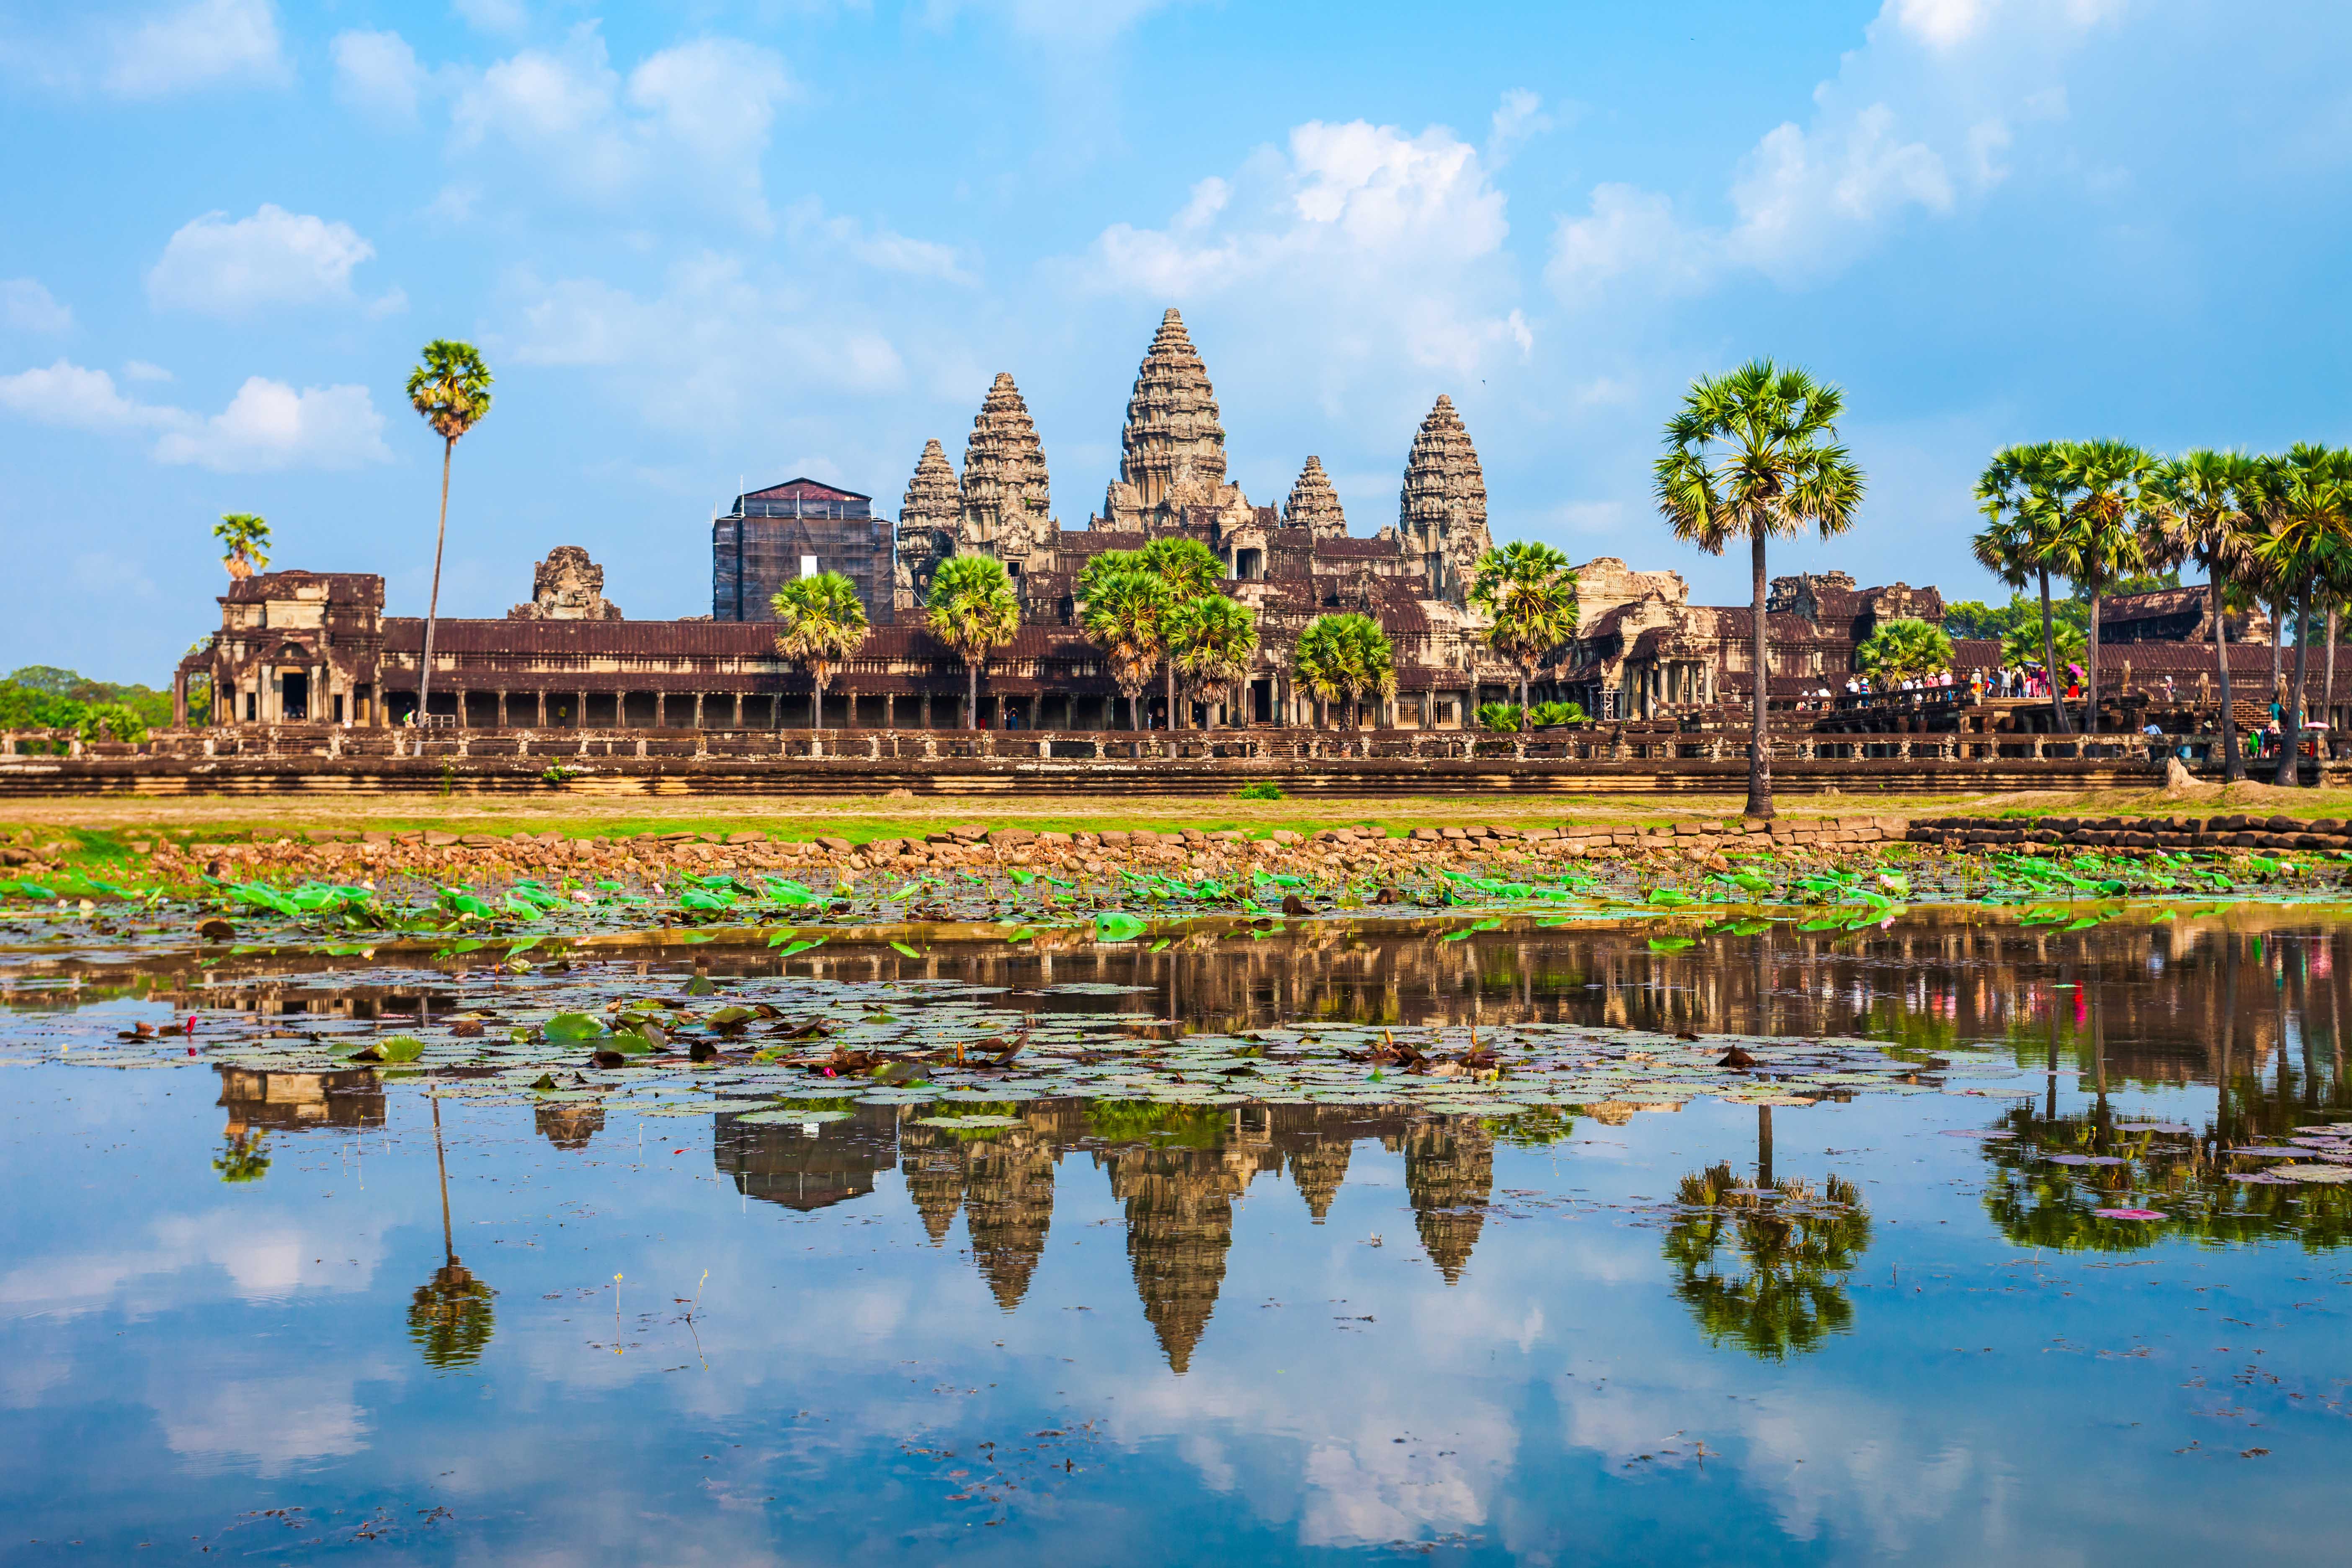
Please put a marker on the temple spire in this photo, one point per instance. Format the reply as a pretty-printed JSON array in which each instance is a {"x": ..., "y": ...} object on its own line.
[
  {"x": 1442, "y": 510},
  {"x": 1007, "y": 502},
  {"x": 1314, "y": 504}
]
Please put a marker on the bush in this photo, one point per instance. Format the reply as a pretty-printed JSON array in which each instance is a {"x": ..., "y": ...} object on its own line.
[
  {"x": 1550, "y": 715},
  {"x": 1261, "y": 791},
  {"x": 1499, "y": 718}
]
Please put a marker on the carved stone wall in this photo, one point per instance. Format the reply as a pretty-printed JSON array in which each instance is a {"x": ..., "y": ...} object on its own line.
[
  {"x": 1442, "y": 511},
  {"x": 567, "y": 586},
  {"x": 1314, "y": 504},
  {"x": 1006, "y": 498},
  {"x": 928, "y": 521}
]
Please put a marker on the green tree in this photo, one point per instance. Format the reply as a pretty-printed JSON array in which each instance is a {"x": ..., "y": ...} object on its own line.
[
  {"x": 246, "y": 539},
  {"x": 1793, "y": 1249},
  {"x": 820, "y": 621},
  {"x": 1500, "y": 717},
  {"x": 244, "y": 1158},
  {"x": 1903, "y": 650},
  {"x": 1211, "y": 642},
  {"x": 973, "y": 609},
  {"x": 1754, "y": 455},
  {"x": 1123, "y": 608},
  {"x": 2304, "y": 501},
  {"x": 1344, "y": 657},
  {"x": 2199, "y": 503},
  {"x": 451, "y": 391},
  {"x": 2026, "y": 645},
  {"x": 2023, "y": 493},
  {"x": 2106, "y": 534},
  {"x": 1188, "y": 569},
  {"x": 1528, "y": 593}
]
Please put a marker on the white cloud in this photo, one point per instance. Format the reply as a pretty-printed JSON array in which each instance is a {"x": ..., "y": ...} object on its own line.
[
  {"x": 197, "y": 44},
  {"x": 1804, "y": 198},
  {"x": 1628, "y": 238},
  {"x": 26, "y": 307},
  {"x": 1357, "y": 225},
  {"x": 1072, "y": 26},
  {"x": 274, "y": 257},
  {"x": 693, "y": 119},
  {"x": 1519, "y": 117},
  {"x": 493, "y": 16},
  {"x": 881, "y": 248},
  {"x": 140, "y": 369},
  {"x": 70, "y": 397},
  {"x": 377, "y": 73},
  {"x": 268, "y": 426}
]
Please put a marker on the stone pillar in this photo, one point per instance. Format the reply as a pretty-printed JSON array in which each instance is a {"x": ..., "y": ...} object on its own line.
[
  {"x": 661, "y": 710},
  {"x": 889, "y": 710},
  {"x": 999, "y": 726},
  {"x": 502, "y": 709},
  {"x": 579, "y": 713},
  {"x": 697, "y": 710},
  {"x": 538, "y": 709},
  {"x": 180, "y": 699}
]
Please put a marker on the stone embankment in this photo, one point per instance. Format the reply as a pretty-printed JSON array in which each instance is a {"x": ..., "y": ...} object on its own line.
[
  {"x": 2180, "y": 834},
  {"x": 1331, "y": 853}
]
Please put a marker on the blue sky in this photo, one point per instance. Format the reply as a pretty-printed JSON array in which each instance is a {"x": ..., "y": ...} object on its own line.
[{"x": 707, "y": 241}]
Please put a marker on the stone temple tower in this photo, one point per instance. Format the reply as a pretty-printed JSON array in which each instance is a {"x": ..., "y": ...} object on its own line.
[
  {"x": 1442, "y": 512},
  {"x": 928, "y": 520},
  {"x": 1314, "y": 505},
  {"x": 1006, "y": 501},
  {"x": 1173, "y": 451}
]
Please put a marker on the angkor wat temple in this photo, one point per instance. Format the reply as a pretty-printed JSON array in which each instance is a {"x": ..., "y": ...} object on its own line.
[{"x": 309, "y": 647}]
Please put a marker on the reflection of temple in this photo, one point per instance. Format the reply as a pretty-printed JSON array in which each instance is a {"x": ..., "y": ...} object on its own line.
[
  {"x": 1449, "y": 1171},
  {"x": 298, "y": 1101},
  {"x": 806, "y": 1165},
  {"x": 569, "y": 1123},
  {"x": 1180, "y": 1225},
  {"x": 1008, "y": 1204}
]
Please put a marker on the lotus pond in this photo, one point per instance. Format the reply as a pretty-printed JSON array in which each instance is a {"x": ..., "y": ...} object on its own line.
[{"x": 1776, "y": 1224}]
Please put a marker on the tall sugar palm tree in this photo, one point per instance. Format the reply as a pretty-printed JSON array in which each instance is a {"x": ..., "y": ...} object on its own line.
[
  {"x": 1372, "y": 663},
  {"x": 1344, "y": 657},
  {"x": 1900, "y": 649},
  {"x": 1318, "y": 660},
  {"x": 1123, "y": 609},
  {"x": 1755, "y": 454},
  {"x": 820, "y": 621},
  {"x": 2303, "y": 501},
  {"x": 2023, "y": 494},
  {"x": 246, "y": 539},
  {"x": 451, "y": 389},
  {"x": 1190, "y": 568},
  {"x": 2106, "y": 534},
  {"x": 1211, "y": 641},
  {"x": 973, "y": 611},
  {"x": 1528, "y": 593},
  {"x": 2200, "y": 505}
]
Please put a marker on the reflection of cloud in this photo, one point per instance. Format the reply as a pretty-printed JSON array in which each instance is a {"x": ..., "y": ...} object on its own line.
[
  {"x": 265, "y": 1257},
  {"x": 273, "y": 1424}
]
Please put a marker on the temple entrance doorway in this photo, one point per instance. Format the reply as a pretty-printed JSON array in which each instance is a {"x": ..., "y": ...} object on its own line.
[{"x": 294, "y": 696}]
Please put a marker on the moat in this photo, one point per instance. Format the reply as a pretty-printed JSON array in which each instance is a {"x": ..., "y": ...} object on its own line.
[{"x": 1936, "y": 1240}]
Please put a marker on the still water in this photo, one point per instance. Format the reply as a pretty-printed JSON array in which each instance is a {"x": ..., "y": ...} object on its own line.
[{"x": 296, "y": 1315}]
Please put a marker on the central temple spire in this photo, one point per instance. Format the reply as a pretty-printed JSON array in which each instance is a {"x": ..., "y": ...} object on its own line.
[{"x": 1173, "y": 431}]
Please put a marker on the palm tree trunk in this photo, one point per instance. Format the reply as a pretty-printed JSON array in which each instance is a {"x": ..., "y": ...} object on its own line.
[
  {"x": 2327, "y": 693},
  {"x": 2277, "y": 648},
  {"x": 2233, "y": 761},
  {"x": 1764, "y": 1146},
  {"x": 971, "y": 694},
  {"x": 433, "y": 605},
  {"x": 2091, "y": 671},
  {"x": 816, "y": 700},
  {"x": 2050, "y": 660},
  {"x": 1759, "y": 763},
  {"x": 2291, "y": 721}
]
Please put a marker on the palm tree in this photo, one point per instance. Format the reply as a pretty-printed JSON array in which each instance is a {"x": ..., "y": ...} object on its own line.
[
  {"x": 1754, "y": 454},
  {"x": 2106, "y": 534},
  {"x": 1344, "y": 656},
  {"x": 1190, "y": 568},
  {"x": 2304, "y": 501},
  {"x": 820, "y": 621},
  {"x": 2023, "y": 494},
  {"x": 1899, "y": 650},
  {"x": 452, "y": 391},
  {"x": 1529, "y": 592},
  {"x": 2200, "y": 505},
  {"x": 450, "y": 1318},
  {"x": 246, "y": 539},
  {"x": 975, "y": 612},
  {"x": 2020, "y": 646},
  {"x": 1212, "y": 641},
  {"x": 1123, "y": 609}
]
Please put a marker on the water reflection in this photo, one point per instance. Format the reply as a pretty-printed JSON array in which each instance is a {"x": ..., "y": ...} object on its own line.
[
  {"x": 450, "y": 1319},
  {"x": 1789, "y": 1251}
]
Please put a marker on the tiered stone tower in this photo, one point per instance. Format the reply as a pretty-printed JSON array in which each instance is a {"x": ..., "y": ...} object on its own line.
[
  {"x": 1442, "y": 512},
  {"x": 1008, "y": 1206},
  {"x": 1007, "y": 503},
  {"x": 1172, "y": 452},
  {"x": 928, "y": 520},
  {"x": 1449, "y": 1174},
  {"x": 1314, "y": 504}
]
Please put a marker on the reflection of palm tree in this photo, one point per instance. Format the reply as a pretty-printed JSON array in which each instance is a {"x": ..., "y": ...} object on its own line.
[
  {"x": 449, "y": 1319},
  {"x": 1797, "y": 1246},
  {"x": 244, "y": 1158}
]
